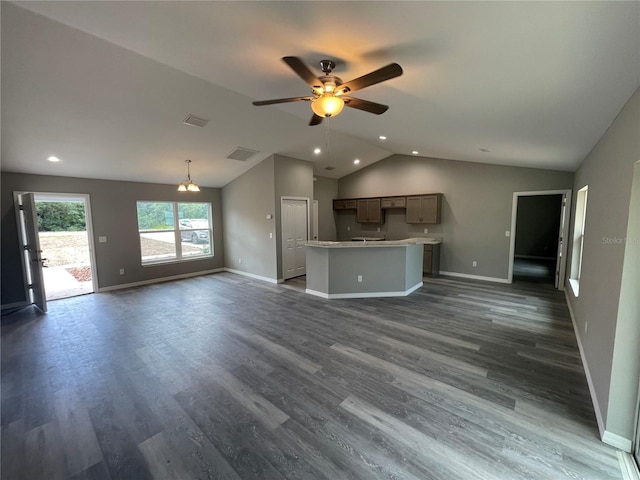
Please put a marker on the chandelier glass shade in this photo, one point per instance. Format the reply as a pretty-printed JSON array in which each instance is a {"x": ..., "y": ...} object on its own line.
[{"x": 187, "y": 185}]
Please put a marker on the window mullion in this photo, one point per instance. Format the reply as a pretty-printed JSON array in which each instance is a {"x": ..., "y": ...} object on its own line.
[{"x": 176, "y": 231}]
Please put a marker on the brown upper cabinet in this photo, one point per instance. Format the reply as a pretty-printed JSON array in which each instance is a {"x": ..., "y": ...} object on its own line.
[
  {"x": 347, "y": 204},
  {"x": 393, "y": 202},
  {"x": 369, "y": 211},
  {"x": 424, "y": 208}
]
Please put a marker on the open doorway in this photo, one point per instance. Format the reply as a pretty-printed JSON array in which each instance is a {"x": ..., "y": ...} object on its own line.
[
  {"x": 63, "y": 229},
  {"x": 538, "y": 237}
]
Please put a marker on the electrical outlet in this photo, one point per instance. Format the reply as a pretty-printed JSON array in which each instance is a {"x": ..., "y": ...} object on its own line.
[
  {"x": 378, "y": 228},
  {"x": 122, "y": 271},
  {"x": 475, "y": 264},
  {"x": 359, "y": 278},
  {"x": 348, "y": 228},
  {"x": 240, "y": 261},
  {"x": 426, "y": 230}
]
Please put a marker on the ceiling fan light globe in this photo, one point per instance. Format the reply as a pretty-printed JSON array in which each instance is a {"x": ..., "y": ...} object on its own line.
[{"x": 327, "y": 106}]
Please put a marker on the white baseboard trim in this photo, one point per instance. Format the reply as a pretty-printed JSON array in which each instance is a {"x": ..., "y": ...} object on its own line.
[
  {"x": 617, "y": 441},
  {"x": 7, "y": 306},
  {"x": 628, "y": 466},
  {"x": 475, "y": 277},
  {"x": 158, "y": 280},
  {"x": 364, "y": 294},
  {"x": 585, "y": 365},
  {"x": 251, "y": 275}
]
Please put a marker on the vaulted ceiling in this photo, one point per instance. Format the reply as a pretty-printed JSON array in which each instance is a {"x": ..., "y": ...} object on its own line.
[{"x": 105, "y": 85}]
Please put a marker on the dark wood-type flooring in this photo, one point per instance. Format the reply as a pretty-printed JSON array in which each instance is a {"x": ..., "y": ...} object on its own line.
[{"x": 223, "y": 377}]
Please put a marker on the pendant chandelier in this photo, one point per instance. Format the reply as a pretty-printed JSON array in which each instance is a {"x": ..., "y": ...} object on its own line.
[{"x": 188, "y": 185}]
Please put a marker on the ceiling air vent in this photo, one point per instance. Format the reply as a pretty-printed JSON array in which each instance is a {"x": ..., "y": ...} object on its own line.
[
  {"x": 195, "y": 121},
  {"x": 329, "y": 168},
  {"x": 241, "y": 153}
]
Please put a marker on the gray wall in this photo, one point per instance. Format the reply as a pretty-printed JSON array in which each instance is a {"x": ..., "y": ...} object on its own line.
[
  {"x": 324, "y": 191},
  {"x": 538, "y": 225},
  {"x": 246, "y": 203},
  {"x": 293, "y": 178},
  {"x": 113, "y": 212},
  {"x": 476, "y": 208},
  {"x": 248, "y": 234},
  {"x": 608, "y": 171}
]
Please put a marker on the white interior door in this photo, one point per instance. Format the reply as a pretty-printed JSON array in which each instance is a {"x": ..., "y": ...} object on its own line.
[
  {"x": 295, "y": 233},
  {"x": 561, "y": 262},
  {"x": 33, "y": 257}
]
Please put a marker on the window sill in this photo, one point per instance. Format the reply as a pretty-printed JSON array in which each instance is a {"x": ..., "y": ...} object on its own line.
[
  {"x": 174, "y": 260},
  {"x": 575, "y": 286}
]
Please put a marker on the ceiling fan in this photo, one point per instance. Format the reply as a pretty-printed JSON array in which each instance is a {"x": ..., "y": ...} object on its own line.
[{"x": 330, "y": 94}]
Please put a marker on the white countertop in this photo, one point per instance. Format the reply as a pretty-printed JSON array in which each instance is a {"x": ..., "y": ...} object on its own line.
[{"x": 377, "y": 243}]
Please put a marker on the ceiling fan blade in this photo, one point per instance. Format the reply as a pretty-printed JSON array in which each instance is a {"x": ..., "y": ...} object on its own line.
[
  {"x": 281, "y": 100},
  {"x": 315, "y": 120},
  {"x": 365, "y": 105},
  {"x": 303, "y": 71},
  {"x": 382, "y": 74}
]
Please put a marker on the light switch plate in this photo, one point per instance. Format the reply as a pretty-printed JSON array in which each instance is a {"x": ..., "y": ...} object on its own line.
[{"x": 102, "y": 239}]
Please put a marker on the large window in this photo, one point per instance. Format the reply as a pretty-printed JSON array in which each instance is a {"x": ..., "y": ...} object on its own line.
[
  {"x": 174, "y": 231},
  {"x": 578, "y": 240}
]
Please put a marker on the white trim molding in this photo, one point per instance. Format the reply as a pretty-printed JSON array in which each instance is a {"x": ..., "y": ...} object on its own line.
[
  {"x": 617, "y": 441},
  {"x": 159, "y": 280},
  {"x": 585, "y": 365},
  {"x": 628, "y": 466},
  {"x": 250, "y": 275},
  {"x": 475, "y": 277},
  {"x": 8, "y": 306},
  {"x": 364, "y": 294}
]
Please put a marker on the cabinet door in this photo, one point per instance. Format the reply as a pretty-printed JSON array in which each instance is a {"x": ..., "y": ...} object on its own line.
[
  {"x": 430, "y": 207},
  {"x": 393, "y": 202},
  {"x": 414, "y": 209},
  {"x": 374, "y": 212},
  {"x": 363, "y": 211},
  {"x": 339, "y": 204},
  {"x": 369, "y": 211},
  {"x": 424, "y": 208},
  {"x": 427, "y": 260}
]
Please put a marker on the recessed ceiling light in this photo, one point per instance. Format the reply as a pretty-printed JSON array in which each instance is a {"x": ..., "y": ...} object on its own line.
[
  {"x": 415, "y": 152},
  {"x": 53, "y": 159},
  {"x": 317, "y": 151},
  {"x": 485, "y": 150},
  {"x": 356, "y": 161},
  {"x": 382, "y": 137}
]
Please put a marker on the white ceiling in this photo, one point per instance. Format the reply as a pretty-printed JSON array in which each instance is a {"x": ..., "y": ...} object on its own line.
[{"x": 536, "y": 83}]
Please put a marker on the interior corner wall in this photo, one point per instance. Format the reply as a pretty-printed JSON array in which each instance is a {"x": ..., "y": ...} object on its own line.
[
  {"x": 246, "y": 203},
  {"x": 325, "y": 190},
  {"x": 476, "y": 209},
  {"x": 293, "y": 178},
  {"x": 608, "y": 171},
  {"x": 113, "y": 215}
]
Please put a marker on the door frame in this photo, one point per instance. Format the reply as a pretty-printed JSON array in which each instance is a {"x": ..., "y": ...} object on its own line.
[
  {"x": 283, "y": 245},
  {"x": 564, "y": 230},
  {"x": 87, "y": 214}
]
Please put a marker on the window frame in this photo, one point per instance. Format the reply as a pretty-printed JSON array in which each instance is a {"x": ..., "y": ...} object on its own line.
[
  {"x": 179, "y": 256},
  {"x": 578, "y": 239}
]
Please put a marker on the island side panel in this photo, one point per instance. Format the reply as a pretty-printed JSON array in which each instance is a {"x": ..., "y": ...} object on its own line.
[
  {"x": 383, "y": 269},
  {"x": 413, "y": 268},
  {"x": 317, "y": 269}
]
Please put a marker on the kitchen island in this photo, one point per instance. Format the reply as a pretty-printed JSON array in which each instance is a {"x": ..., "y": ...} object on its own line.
[{"x": 356, "y": 269}]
